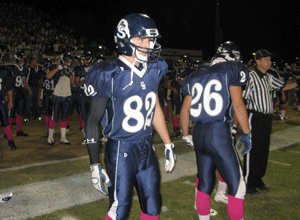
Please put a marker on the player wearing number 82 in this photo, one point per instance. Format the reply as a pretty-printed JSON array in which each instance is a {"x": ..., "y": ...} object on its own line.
[{"x": 126, "y": 88}]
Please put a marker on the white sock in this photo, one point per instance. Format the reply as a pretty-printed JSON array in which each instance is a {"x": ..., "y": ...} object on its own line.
[
  {"x": 222, "y": 186},
  {"x": 51, "y": 132},
  {"x": 204, "y": 217},
  {"x": 282, "y": 113},
  {"x": 63, "y": 133}
]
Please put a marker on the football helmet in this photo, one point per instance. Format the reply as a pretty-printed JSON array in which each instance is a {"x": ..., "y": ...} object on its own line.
[
  {"x": 137, "y": 25},
  {"x": 185, "y": 68},
  {"x": 229, "y": 51},
  {"x": 185, "y": 61},
  {"x": 76, "y": 60},
  {"x": 19, "y": 58},
  {"x": 46, "y": 62},
  {"x": 86, "y": 58},
  {"x": 66, "y": 57},
  {"x": 196, "y": 64}
]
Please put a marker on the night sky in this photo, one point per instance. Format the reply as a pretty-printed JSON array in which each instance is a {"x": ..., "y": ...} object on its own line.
[{"x": 253, "y": 25}]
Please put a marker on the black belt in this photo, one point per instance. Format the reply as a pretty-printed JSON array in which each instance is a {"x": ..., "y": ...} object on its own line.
[{"x": 266, "y": 115}]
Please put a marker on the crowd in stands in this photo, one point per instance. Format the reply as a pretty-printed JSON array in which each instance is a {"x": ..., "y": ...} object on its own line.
[{"x": 25, "y": 28}]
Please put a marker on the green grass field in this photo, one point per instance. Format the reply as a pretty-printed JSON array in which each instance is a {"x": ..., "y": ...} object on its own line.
[{"x": 281, "y": 202}]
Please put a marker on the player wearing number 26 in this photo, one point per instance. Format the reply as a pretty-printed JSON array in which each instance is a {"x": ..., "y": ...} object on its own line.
[
  {"x": 209, "y": 96},
  {"x": 126, "y": 90}
]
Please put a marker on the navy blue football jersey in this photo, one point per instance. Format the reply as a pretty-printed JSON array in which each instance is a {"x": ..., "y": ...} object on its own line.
[
  {"x": 5, "y": 82},
  {"x": 81, "y": 73},
  {"x": 210, "y": 91},
  {"x": 18, "y": 78},
  {"x": 49, "y": 84},
  {"x": 132, "y": 94}
]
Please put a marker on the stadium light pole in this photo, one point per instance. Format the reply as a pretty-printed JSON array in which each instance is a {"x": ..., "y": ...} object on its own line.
[{"x": 218, "y": 30}]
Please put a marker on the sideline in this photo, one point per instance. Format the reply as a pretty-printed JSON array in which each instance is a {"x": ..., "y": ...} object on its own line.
[{"x": 45, "y": 197}]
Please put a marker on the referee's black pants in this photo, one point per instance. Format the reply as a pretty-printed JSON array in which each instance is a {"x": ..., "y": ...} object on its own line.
[{"x": 255, "y": 162}]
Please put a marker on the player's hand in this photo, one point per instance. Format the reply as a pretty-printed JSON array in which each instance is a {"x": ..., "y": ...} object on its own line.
[
  {"x": 246, "y": 140},
  {"x": 170, "y": 157},
  {"x": 59, "y": 67},
  {"x": 189, "y": 140},
  {"x": 99, "y": 177}
]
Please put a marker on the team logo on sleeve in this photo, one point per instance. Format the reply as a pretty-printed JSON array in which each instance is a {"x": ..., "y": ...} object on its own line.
[
  {"x": 243, "y": 77},
  {"x": 89, "y": 91}
]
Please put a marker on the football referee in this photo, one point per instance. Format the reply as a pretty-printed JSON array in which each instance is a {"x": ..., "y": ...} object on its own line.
[{"x": 258, "y": 95}]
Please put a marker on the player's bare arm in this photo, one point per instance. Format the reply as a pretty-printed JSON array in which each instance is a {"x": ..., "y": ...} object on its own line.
[
  {"x": 160, "y": 124},
  {"x": 185, "y": 115},
  {"x": 239, "y": 107},
  {"x": 51, "y": 73}
]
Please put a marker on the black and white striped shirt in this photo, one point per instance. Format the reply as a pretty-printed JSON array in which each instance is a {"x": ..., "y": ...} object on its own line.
[{"x": 258, "y": 92}]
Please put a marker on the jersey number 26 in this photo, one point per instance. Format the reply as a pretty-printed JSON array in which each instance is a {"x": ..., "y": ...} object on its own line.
[{"x": 208, "y": 97}]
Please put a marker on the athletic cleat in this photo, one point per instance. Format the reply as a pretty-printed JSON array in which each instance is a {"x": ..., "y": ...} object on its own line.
[
  {"x": 5, "y": 197},
  {"x": 213, "y": 212},
  {"x": 12, "y": 145},
  {"x": 50, "y": 141},
  {"x": 21, "y": 133},
  {"x": 83, "y": 142},
  {"x": 64, "y": 141},
  {"x": 221, "y": 197}
]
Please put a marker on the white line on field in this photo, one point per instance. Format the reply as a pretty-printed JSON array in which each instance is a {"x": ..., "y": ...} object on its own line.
[
  {"x": 283, "y": 164},
  {"x": 42, "y": 164},
  {"x": 59, "y": 161},
  {"x": 292, "y": 151}
]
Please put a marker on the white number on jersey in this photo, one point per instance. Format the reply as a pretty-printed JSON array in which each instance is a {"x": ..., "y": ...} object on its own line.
[
  {"x": 208, "y": 96},
  {"x": 136, "y": 113},
  {"x": 49, "y": 84},
  {"x": 20, "y": 81}
]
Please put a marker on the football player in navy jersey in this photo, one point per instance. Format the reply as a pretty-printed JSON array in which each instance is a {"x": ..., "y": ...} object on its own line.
[
  {"x": 126, "y": 88},
  {"x": 182, "y": 69},
  {"x": 74, "y": 98},
  {"x": 83, "y": 100},
  {"x": 209, "y": 95},
  {"x": 48, "y": 85},
  {"x": 19, "y": 75},
  {"x": 61, "y": 96},
  {"x": 6, "y": 89}
]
